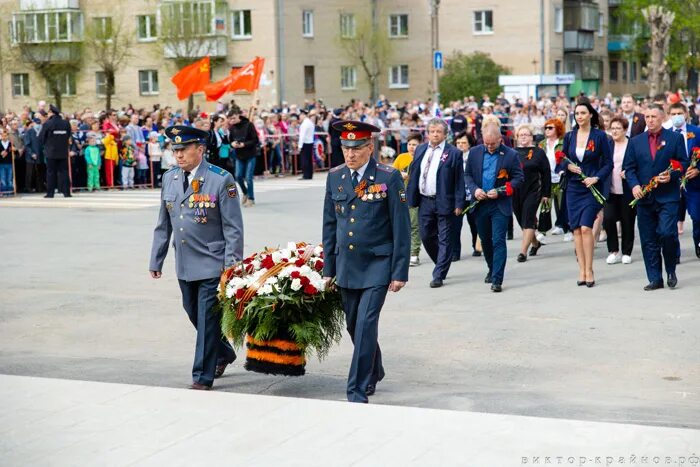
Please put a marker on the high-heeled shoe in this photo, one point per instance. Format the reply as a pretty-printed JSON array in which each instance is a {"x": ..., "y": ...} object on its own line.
[
  {"x": 580, "y": 283},
  {"x": 590, "y": 284}
]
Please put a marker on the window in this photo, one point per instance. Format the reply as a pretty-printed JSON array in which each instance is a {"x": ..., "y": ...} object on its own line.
[
  {"x": 398, "y": 76},
  {"x": 100, "y": 84},
  {"x": 348, "y": 77},
  {"x": 613, "y": 70},
  {"x": 102, "y": 28},
  {"x": 347, "y": 26},
  {"x": 309, "y": 79},
  {"x": 60, "y": 26},
  {"x": 624, "y": 72},
  {"x": 633, "y": 72},
  {"x": 20, "y": 84},
  {"x": 65, "y": 82},
  {"x": 557, "y": 66},
  {"x": 483, "y": 22},
  {"x": 398, "y": 25},
  {"x": 601, "y": 24},
  {"x": 558, "y": 19},
  {"x": 148, "y": 82},
  {"x": 147, "y": 28},
  {"x": 187, "y": 19},
  {"x": 307, "y": 23},
  {"x": 241, "y": 25}
]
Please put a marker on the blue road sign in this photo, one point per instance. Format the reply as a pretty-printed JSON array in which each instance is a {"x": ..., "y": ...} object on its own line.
[{"x": 437, "y": 60}]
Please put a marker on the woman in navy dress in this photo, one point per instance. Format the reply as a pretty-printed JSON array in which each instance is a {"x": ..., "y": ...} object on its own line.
[{"x": 589, "y": 152}]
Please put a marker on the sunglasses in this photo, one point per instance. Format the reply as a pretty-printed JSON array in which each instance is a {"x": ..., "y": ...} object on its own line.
[{"x": 549, "y": 128}]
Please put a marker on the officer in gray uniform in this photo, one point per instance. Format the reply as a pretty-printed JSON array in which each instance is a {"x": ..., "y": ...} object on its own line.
[
  {"x": 366, "y": 243},
  {"x": 200, "y": 209}
]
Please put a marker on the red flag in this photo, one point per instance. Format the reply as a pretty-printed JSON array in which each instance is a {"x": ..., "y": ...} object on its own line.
[
  {"x": 246, "y": 78},
  {"x": 192, "y": 78}
]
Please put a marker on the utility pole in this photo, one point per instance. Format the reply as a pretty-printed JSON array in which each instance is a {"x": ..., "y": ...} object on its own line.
[
  {"x": 541, "y": 37},
  {"x": 435, "y": 44}
]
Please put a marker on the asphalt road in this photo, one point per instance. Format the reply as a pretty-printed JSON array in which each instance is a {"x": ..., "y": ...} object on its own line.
[{"x": 78, "y": 303}]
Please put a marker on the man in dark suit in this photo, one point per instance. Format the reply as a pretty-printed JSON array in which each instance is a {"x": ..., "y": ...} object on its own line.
[
  {"x": 436, "y": 187},
  {"x": 635, "y": 119},
  {"x": 489, "y": 167},
  {"x": 33, "y": 156},
  {"x": 649, "y": 155},
  {"x": 366, "y": 244},
  {"x": 55, "y": 137}
]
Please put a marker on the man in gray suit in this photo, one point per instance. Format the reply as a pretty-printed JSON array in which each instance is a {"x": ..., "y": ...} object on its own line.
[{"x": 200, "y": 208}]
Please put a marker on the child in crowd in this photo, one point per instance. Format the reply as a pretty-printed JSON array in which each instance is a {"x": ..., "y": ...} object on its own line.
[
  {"x": 111, "y": 158},
  {"x": 141, "y": 164},
  {"x": 128, "y": 162},
  {"x": 92, "y": 159},
  {"x": 155, "y": 153}
]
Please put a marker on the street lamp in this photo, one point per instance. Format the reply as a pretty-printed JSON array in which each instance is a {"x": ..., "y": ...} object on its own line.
[{"x": 434, "y": 43}]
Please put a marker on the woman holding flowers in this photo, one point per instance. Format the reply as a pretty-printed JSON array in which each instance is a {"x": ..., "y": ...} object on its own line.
[
  {"x": 553, "y": 142},
  {"x": 587, "y": 156},
  {"x": 535, "y": 190}
]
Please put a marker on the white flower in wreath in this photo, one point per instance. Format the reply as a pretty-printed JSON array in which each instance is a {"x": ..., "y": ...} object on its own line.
[
  {"x": 291, "y": 246},
  {"x": 265, "y": 290},
  {"x": 318, "y": 250},
  {"x": 296, "y": 285},
  {"x": 305, "y": 270}
]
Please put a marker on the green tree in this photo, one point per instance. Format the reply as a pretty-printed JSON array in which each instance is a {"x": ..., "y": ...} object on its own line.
[
  {"x": 684, "y": 49},
  {"x": 470, "y": 75}
]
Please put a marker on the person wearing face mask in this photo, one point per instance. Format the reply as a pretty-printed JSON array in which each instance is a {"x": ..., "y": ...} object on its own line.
[
  {"x": 690, "y": 197},
  {"x": 463, "y": 144}
]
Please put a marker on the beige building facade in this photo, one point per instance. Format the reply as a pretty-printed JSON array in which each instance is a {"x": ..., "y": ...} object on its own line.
[{"x": 301, "y": 43}]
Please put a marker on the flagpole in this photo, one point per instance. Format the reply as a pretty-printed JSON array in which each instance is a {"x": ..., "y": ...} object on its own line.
[{"x": 253, "y": 105}]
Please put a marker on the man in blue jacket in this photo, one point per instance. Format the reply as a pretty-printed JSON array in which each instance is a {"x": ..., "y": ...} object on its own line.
[
  {"x": 490, "y": 167},
  {"x": 366, "y": 244},
  {"x": 649, "y": 155},
  {"x": 436, "y": 188}
]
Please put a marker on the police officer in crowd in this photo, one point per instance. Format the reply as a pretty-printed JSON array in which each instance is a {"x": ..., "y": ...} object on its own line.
[
  {"x": 366, "y": 243},
  {"x": 200, "y": 208},
  {"x": 55, "y": 138}
]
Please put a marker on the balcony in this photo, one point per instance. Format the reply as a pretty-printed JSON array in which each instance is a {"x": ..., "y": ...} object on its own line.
[
  {"x": 580, "y": 16},
  {"x": 619, "y": 42},
  {"x": 48, "y": 35},
  {"x": 194, "y": 28},
  {"x": 32, "y": 5},
  {"x": 578, "y": 41}
]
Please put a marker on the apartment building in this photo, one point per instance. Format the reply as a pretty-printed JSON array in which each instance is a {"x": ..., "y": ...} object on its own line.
[{"x": 301, "y": 43}]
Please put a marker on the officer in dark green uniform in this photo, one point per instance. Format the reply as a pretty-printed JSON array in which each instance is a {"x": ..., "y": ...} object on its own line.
[{"x": 366, "y": 243}]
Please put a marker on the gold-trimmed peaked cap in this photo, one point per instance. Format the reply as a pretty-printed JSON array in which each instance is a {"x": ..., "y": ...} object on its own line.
[
  {"x": 181, "y": 136},
  {"x": 354, "y": 133}
]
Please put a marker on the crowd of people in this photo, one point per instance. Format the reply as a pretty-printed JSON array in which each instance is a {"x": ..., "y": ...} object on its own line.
[{"x": 128, "y": 148}]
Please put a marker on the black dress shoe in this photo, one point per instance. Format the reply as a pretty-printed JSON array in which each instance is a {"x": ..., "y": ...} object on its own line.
[
  {"x": 672, "y": 280},
  {"x": 478, "y": 253},
  {"x": 678, "y": 260},
  {"x": 535, "y": 249},
  {"x": 435, "y": 283},
  {"x": 654, "y": 286},
  {"x": 590, "y": 284},
  {"x": 487, "y": 279},
  {"x": 47, "y": 196},
  {"x": 455, "y": 259},
  {"x": 580, "y": 283},
  {"x": 371, "y": 389},
  {"x": 219, "y": 372},
  {"x": 697, "y": 251},
  {"x": 509, "y": 236},
  {"x": 199, "y": 387},
  {"x": 521, "y": 258},
  {"x": 496, "y": 288}
]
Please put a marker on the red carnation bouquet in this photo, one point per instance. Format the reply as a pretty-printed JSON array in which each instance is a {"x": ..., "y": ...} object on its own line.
[
  {"x": 694, "y": 159},
  {"x": 674, "y": 166},
  {"x": 506, "y": 189},
  {"x": 279, "y": 295},
  {"x": 560, "y": 157}
]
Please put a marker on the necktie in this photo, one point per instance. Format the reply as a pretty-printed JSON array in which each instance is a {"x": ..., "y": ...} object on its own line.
[
  {"x": 424, "y": 175},
  {"x": 679, "y": 130},
  {"x": 186, "y": 182},
  {"x": 355, "y": 177},
  {"x": 654, "y": 146}
]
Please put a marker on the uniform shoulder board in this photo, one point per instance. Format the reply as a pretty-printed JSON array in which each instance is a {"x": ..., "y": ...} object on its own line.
[
  {"x": 337, "y": 168},
  {"x": 218, "y": 170},
  {"x": 171, "y": 170},
  {"x": 385, "y": 168}
]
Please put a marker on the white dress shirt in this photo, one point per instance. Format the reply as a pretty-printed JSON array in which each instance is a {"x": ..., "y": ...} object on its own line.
[
  {"x": 306, "y": 132},
  {"x": 360, "y": 171},
  {"x": 430, "y": 188},
  {"x": 190, "y": 177}
]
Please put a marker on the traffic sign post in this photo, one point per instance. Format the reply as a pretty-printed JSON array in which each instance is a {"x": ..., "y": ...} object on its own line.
[{"x": 437, "y": 60}]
